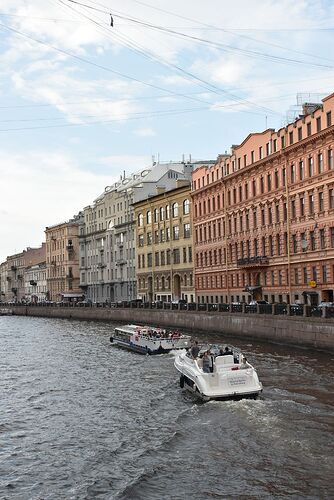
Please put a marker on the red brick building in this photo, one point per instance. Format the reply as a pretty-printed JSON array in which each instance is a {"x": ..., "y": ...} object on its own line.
[{"x": 264, "y": 215}]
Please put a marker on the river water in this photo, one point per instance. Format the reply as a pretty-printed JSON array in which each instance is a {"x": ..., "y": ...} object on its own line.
[{"x": 82, "y": 419}]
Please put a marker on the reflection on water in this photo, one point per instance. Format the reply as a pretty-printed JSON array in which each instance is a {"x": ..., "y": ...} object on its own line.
[{"x": 82, "y": 419}]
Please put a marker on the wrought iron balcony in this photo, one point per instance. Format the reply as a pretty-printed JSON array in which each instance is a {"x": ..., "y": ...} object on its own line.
[
  {"x": 13, "y": 268},
  {"x": 70, "y": 248},
  {"x": 100, "y": 265},
  {"x": 120, "y": 262},
  {"x": 258, "y": 261},
  {"x": 33, "y": 283}
]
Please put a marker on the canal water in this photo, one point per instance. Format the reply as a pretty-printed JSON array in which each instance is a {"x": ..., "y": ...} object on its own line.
[{"x": 82, "y": 419}]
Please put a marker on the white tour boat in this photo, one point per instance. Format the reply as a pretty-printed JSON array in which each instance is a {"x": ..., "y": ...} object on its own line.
[
  {"x": 230, "y": 376},
  {"x": 149, "y": 340}
]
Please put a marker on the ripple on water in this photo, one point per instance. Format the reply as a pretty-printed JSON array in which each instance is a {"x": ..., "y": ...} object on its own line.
[{"x": 82, "y": 419}]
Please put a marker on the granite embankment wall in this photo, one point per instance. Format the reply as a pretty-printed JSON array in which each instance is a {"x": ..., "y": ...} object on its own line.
[{"x": 306, "y": 332}]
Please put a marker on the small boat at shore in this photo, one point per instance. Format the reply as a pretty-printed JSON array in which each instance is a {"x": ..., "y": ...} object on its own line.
[
  {"x": 215, "y": 375},
  {"x": 149, "y": 340}
]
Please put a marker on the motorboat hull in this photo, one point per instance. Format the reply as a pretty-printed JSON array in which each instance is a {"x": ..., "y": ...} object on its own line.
[{"x": 226, "y": 381}]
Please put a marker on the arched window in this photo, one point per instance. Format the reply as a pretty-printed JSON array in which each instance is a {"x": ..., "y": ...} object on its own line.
[
  {"x": 140, "y": 220},
  {"x": 186, "y": 207},
  {"x": 156, "y": 215},
  {"x": 149, "y": 217},
  {"x": 175, "y": 209},
  {"x": 162, "y": 213},
  {"x": 167, "y": 212}
]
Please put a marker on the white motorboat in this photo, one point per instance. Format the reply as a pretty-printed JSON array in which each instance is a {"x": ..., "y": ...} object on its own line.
[
  {"x": 230, "y": 376},
  {"x": 148, "y": 339}
]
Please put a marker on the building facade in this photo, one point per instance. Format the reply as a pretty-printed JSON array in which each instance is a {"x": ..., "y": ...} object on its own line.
[
  {"x": 164, "y": 246},
  {"x": 62, "y": 260},
  {"x": 107, "y": 235},
  {"x": 35, "y": 283},
  {"x": 264, "y": 215},
  {"x": 13, "y": 273}
]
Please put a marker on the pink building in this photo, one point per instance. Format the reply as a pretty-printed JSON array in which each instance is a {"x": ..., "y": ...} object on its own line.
[{"x": 264, "y": 215}]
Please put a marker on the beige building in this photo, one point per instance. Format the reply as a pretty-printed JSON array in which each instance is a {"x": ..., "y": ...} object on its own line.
[
  {"x": 62, "y": 260},
  {"x": 164, "y": 245}
]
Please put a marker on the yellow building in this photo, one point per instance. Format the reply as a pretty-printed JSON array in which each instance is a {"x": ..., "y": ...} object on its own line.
[
  {"x": 164, "y": 245},
  {"x": 62, "y": 259}
]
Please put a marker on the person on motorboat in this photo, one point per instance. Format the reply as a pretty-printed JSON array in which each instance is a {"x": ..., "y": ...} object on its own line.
[
  {"x": 207, "y": 362},
  {"x": 227, "y": 352},
  {"x": 194, "y": 350},
  {"x": 244, "y": 364}
]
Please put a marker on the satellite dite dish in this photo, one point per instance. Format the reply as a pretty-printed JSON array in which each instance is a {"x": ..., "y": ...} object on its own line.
[{"x": 304, "y": 244}]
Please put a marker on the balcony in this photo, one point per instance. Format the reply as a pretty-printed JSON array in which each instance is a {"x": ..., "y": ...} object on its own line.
[
  {"x": 100, "y": 265},
  {"x": 70, "y": 248},
  {"x": 20, "y": 276},
  {"x": 13, "y": 268},
  {"x": 14, "y": 290},
  {"x": 53, "y": 263},
  {"x": 33, "y": 283},
  {"x": 249, "y": 262},
  {"x": 8, "y": 278},
  {"x": 101, "y": 249},
  {"x": 121, "y": 262}
]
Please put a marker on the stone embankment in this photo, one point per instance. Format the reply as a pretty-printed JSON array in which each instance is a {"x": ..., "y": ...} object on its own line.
[{"x": 301, "y": 331}]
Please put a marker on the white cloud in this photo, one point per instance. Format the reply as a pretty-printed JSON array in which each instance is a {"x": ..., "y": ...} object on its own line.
[
  {"x": 40, "y": 189},
  {"x": 145, "y": 132}
]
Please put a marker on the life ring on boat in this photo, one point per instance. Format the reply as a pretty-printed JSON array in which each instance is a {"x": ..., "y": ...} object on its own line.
[
  {"x": 182, "y": 381},
  {"x": 111, "y": 339}
]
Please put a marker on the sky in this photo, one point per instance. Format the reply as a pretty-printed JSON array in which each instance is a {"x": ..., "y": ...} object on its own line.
[{"x": 90, "y": 89}]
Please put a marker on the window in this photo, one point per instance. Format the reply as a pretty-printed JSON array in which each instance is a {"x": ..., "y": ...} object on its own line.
[
  {"x": 308, "y": 128},
  {"x": 162, "y": 213},
  {"x": 301, "y": 170},
  {"x": 277, "y": 212},
  {"x": 270, "y": 215},
  {"x": 322, "y": 239},
  {"x": 312, "y": 240},
  {"x": 276, "y": 179},
  {"x": 310, "y": 166},
  {"x": 167, "y": 234},
  {"x": 283, "y": 142},
  {"x": 254, "y": 219},
  {"x": 156, "y": 258},
  {"x": 246, "y": 190},
  {"x": 294, "y": 243},
  {"x": 319, "y": 124},
  {"x": 261, "y": 185},
  {"x": 321, "y": 201},
  {"x": 278, "y": 244},
  {"x": 186, "y": 230},
  {"x": 156, "y": 215},
  {"x": 293, "y": 209},
  {"x": 275, "y": 145},
  {"x": 156, "y": 236},
  {"x": 167, "y": 212},
  {"x": 149, "y": 238},
  {"x": 162, "y": 235},
  {"x": 168, "y": 260},
  {"x": 331, "y": 198},
  {"x": 176, "y": 232},
  {"x": 175, "y": 209},
  {"x": 329, "y": 119},
  {"x": 305, "y": 275},
  {"x": 324, "y": 274},
  {"x": 176, "y": 256},
  {"x": 262, "y": 217},
  {"x": 162, "y": 258},
  {"x": 283, "y": 176},
  {"x": 311, "y": 204},
  {"x": 271, "y": 247},
  {"x": 314, "y": 273},
  {"x": 303, "y": 242},
  {"x": 302, "y": 205},
  {"x": 186, "y": 207},
  {"x": 330, "y": 158},
  {"x": 254, "y": 187},
  {"x": 268, "y": 148},
  {"x": 141, "y": 240},
  {"x": 184, "y": 254},
  {"x": 260, "y": 152},
  {"x": 140, "y": 220},
  {"x": 300, "y": 133},
  {"x": 293, "y": 173},
  {"x": 269, "y": 182},
  {"x": 252, "y": 157},
  {"x": 149, "y": 217},
  {"x": 290, "y": 138},
  {"x": 149, "y": 260},
  {"x": 320, "y": 163}
]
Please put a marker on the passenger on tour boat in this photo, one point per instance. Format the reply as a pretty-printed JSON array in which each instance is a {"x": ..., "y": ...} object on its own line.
[
  {"x": 226, "y": 352},
  {"x": 207, "y": 360}
]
